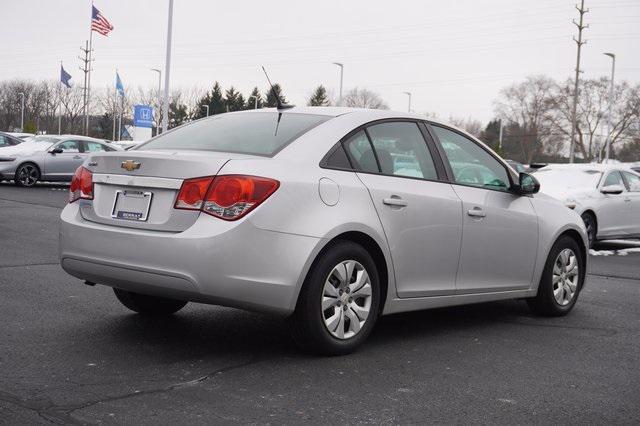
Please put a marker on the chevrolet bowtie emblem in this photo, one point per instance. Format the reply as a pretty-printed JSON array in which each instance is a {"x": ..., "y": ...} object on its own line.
[{"x": 130, "y": 165}]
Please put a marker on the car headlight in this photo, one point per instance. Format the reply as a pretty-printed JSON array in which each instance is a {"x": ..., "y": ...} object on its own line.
[
  {"x": 571, "y": 203},
  {"x": 7, "y": 159}
]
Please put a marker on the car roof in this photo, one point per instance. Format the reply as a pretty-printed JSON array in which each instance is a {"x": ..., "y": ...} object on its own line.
[{"x": 588, "y": 166}]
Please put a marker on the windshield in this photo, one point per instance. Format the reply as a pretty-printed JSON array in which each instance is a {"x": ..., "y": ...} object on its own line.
[
  {"x": 566, "y": 178},
  {"x": 255, "y": 133}
]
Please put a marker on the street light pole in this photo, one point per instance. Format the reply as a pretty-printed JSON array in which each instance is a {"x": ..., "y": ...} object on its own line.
[
  {"x": 22, "y": 113},
  {"x": 167, "y": 67},
  {"x": 207, "y": 107},
  {"x": 341, "y": 75},
  {"x": 256, "y": 101},
  {"x": 408, "y": 94},
  {"x": 609, "y": 133}
]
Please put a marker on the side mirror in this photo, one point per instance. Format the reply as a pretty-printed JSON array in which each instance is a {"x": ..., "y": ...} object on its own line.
[
  {"x": 56, "y": 151},
  {"x": 527, "y": 184},
  {"x": 612, "y": 189}
]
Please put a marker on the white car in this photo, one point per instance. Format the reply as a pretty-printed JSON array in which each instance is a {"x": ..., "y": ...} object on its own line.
[{"x": 607, "y": 197}]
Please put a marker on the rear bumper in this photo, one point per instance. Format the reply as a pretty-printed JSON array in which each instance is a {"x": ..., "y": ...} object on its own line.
[{"x": 214, "y": 261}]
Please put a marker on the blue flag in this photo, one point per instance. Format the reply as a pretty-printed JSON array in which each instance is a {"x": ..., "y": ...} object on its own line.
[
  {"x": 65, "y": 77},
  {"x": 119, "y": 86}
]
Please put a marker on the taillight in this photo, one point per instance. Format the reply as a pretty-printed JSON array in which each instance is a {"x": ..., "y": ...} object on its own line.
[
  {"x": 81, "y": 185},
  {"x": 227, "y": 197}
]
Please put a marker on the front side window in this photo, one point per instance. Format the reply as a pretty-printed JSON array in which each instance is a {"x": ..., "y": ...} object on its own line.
[
  {"x": 472, "y": 165},
  {"x": 633, "y": 181},
  {"x": 614, "y": 178},
  {"x": 69, "y": 146},
  {"x": 254, "y": 133},
  {"x": 402, "y": 150}
]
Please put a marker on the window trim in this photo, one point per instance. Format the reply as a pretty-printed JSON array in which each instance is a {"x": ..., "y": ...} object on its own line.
[
  {"x": 451, "y": 176},
  {"x": 606, "y": 175},
  {"x": 430, "y": 142}
]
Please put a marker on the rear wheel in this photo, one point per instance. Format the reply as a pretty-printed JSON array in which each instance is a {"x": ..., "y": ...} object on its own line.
[
  {"x": 27, "y": 175},
  {"x": 561, "y": 280},
  {"x": 339, "y": 301},
  {"x": 148, "y": 305},
  {"x": 592, "y": 227}
]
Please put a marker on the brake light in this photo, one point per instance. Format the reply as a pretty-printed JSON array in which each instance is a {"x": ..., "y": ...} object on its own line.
[
  {"x": 227, "y": 197},
  {"x": 81, "y": 185}
]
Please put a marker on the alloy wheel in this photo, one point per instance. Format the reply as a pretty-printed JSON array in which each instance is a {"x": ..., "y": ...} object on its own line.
[
  {"x": 28, "y": 175},
  {"x": 346, "y": 299},
  {"x": 566, "y": 274}
]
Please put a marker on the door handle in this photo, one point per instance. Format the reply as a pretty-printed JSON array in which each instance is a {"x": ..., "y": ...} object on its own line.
[
  {"x": 476, "y": 212},
  {"x": 627, "y": 199},
  {"x": 77, "y": 157},
  {"x": 395, "y": 201}
]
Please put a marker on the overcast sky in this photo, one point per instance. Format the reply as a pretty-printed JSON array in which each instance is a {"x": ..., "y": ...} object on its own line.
[{"x": 454, "y": 56}]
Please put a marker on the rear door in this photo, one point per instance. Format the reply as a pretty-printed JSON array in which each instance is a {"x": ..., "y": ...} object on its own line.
[
  {"x": 500, "y": 228},
  {"x": 61, "y": 166},
  {"x": 614, "y": 210},
  {"x": 633, "y": 184},
  {"x": 420, "y": 214}
]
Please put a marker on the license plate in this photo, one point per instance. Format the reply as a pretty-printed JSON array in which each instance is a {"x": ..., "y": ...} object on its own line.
[{"x": 131, "y": 205}]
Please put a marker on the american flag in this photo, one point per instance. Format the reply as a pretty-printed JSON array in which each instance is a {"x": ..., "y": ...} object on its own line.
[{"x": 99, "y": 23}]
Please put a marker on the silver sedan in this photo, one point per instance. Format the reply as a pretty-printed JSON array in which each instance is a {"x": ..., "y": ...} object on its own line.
[
  {"x": 49, "y": 158},
  {"x": 330, "y": 217}
]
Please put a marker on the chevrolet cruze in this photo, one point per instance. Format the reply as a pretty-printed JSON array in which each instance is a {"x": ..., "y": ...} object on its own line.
[{"x": 329, "y": 217}]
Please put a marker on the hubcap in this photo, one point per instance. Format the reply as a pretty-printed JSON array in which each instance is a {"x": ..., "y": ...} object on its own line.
[
  {"x": 28, "y": 175},
  {"x": 566, "y": 274},
  {"x": 346, "y": 299}
]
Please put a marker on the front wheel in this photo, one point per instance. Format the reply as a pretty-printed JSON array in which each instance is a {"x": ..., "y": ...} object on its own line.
[
  {"x": 339, "y": 301},
  {"x": 148, "y": 305},
  {"x": 561, "y": 279},
  {"x": 27, "y": 175}
]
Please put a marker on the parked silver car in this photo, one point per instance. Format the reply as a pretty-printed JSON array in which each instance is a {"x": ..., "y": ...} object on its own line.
[
  {"x": 49, "y": 158},
  {"x": 607, "y": 197},
  {"x": 328, "y": 216}
]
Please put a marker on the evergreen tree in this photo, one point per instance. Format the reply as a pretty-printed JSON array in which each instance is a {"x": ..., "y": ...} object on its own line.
[
  {"x": 251, "y": 100},
  {"x": 319, "y": 97},
  {"x": 178, "y": 114},
  {"x": 491, "y": 134},
  {"x": 271, "y": 98},
  {"x": 214, "y": 100},
  {"x": 234, "y": 101}
]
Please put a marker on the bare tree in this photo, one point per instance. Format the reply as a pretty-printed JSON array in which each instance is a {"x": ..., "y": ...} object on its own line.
[
  {"x": 364, "y": 98},
  {"x": 527, "y": 107},
  {"x": 469, "y": 125}
]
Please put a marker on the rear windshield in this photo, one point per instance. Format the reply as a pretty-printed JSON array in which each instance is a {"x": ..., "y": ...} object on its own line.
[{"x": 255, "y": 133}]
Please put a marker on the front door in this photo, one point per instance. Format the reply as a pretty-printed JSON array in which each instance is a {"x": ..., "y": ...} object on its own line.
[
  {"x": 633, "y": 197},
  {"x": 61, "y": 166},
  {"x": 421, "y": 215},
  {"x": 614, "y": 210},
  {"x": 500, "y": 228}
]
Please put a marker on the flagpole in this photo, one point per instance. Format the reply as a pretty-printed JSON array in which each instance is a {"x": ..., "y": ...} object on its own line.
[
  {"x": 120, "y": 116},
  {"x": 115, "y": 107},
  {"x": 60, "y": 101},
  {"x": 86, "y": 125}
]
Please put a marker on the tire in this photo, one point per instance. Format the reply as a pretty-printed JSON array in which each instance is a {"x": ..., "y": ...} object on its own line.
[
  {"x": 27, "y": 175},
  {"x": 560, "y": 283},
  {"x": 592, "y": 227},
  {"x": 148, "y": 305},
  {"x": 334, "y": 330}
]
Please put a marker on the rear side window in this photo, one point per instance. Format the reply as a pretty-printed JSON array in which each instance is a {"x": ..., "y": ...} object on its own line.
[
  {"x": 360, "y": 150},
  {"x": 4, "y": 141},
  {"x": 70, "y": 146},
  {"x": 402, "y": 150},
  {"x": 94, "y": 147},
  {"x": 337, "y": 159},
  {"x": 255, "y": 133},
  {"x": 633, "y": 181}
]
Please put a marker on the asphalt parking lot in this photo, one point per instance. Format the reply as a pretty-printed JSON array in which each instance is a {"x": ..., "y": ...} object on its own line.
[{"x": 70, "y": 353}]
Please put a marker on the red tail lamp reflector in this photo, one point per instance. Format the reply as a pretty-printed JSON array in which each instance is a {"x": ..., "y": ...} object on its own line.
[
  {"x": 81, "y": 185},
  {"x": 227, "y": 197}
]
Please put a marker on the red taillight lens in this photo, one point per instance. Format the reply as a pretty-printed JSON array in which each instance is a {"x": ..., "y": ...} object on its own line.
[
  {"x": 228, "y": 197},
  {"x": 192, "y": 193},
  {"x": 81, "y": 185}
]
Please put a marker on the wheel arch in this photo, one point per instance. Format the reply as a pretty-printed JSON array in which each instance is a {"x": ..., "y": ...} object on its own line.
[
  {"x": 591, "y": 212},
  {"x": 15, "y": 174},
  {"x": 575, "y": 235},
  {"x": 372, "y": 247}
]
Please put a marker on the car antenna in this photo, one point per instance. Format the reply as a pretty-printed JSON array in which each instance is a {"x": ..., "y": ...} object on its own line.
[{"x": 280, "y": 105}]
